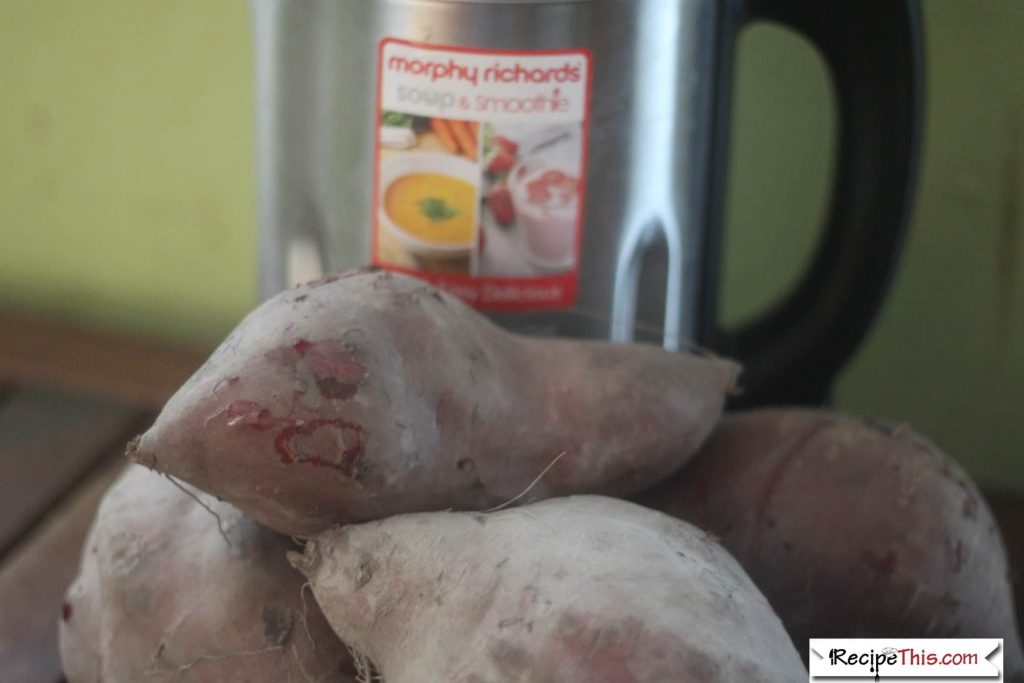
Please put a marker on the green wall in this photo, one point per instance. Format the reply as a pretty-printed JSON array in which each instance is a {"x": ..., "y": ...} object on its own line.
[
  {"x": 947, "y": 355},
  {"x": 126, "y": 191},
  {"x": 127, "y": 196}
]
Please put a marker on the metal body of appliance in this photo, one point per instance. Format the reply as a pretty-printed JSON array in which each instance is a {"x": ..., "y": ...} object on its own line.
[{"x": 652, "y": 127}]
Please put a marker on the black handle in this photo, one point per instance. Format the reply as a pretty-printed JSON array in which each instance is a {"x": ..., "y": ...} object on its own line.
[{"x": 874, "y": 53}]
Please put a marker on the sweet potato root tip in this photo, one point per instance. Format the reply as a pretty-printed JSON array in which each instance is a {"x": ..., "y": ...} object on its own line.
[
  {"x": 134, "y": 453},
  {"x": 308, "y": 560}
]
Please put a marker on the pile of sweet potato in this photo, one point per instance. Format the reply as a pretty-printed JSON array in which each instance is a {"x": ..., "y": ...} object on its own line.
[{"x": 370, "y": 481}]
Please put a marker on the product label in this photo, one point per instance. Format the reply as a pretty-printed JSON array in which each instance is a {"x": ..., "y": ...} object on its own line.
[{"x": 480, "y": 171}]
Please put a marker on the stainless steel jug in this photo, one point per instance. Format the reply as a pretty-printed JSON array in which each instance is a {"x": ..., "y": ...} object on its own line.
[{"x": 560, "y": 164}]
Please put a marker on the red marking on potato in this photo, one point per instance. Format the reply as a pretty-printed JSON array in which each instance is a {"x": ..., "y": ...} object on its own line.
[
  {"x": 882, "y": 565},
  {"x": 335, "y": 369},
  {"x": 448, "y": 413},
  {"x": 325, "y": 280},
  {"x": 339, "y": 445},
  {"x": 251, "y": 414},
  {"x": 603, "y": 651},
  {"x": 607, "y": 652},
  {"x": 323, "y": 443},
  {"x": 712, "y": 536},
  {"x": 66, "y": 610}
]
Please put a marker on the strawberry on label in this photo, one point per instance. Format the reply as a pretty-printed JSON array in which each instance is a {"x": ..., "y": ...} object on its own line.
[
  {"x": 538, "y": 192},
  {"x": 501, "y": 163},
  {"x": 507, "y": 146},
  {"x": 499, "y": 201}
]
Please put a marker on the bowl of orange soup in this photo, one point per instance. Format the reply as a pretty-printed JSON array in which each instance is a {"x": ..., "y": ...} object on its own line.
[{"x": 429, "y": 202}]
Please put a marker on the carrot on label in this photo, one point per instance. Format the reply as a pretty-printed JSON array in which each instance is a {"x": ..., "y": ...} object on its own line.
[
  {"x": 460, "y": 129},
  {"x": 444, "y": 134}
]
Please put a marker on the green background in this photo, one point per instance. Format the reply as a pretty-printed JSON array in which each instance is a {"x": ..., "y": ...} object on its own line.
[{"x": 127, "y": 196}]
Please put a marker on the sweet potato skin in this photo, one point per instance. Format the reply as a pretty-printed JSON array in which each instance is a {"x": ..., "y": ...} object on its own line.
[
  {"x": 851, "y": 527},
  {"x": 370, "y": 394},
  {"x": 582, "y": 589},
  {"x": 161, "y": 596}
]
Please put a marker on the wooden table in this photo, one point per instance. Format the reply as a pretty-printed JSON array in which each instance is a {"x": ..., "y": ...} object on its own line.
[{"x": 69, "y": 401}]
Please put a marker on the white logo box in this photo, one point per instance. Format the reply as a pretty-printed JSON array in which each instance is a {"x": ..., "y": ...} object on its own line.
[{"x": 922, "y": 659}]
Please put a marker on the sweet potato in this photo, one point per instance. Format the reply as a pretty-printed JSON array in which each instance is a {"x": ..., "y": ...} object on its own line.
[
  {"x": 162, "y": 597},
  {"x": 368, "y": 394},
  {"x": 572, "y": 590},
  {"x": 851, "y": 527}
]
